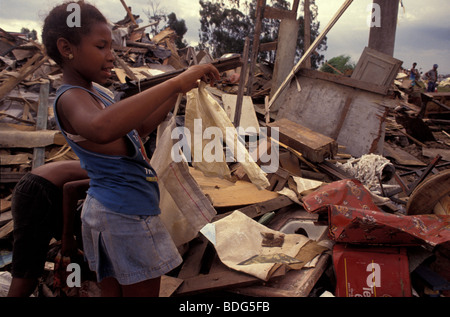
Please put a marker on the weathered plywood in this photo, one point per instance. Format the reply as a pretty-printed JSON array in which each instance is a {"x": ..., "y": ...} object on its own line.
[{"x": 320, "y": 106}]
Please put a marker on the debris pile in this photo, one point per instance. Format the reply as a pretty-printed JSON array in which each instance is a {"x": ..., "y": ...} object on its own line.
[{"x": 347, "y": 174}]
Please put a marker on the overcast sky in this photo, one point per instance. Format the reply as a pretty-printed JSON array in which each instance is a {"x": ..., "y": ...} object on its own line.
[{"x": 423, "y": 31}]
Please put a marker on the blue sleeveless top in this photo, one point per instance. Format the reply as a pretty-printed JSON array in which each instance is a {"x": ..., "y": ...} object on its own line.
[{"x": 123, "y": 184}]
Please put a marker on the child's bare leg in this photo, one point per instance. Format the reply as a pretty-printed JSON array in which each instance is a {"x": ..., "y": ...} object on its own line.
[
  {"x": 110, "y": 287},
  {"x": 148, "y": 288},
  {"x": 22, "y": 287}
]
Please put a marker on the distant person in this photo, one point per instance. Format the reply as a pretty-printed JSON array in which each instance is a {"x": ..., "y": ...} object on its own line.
[
  {"x": 43, "y": 206},
  {"x": 413, "y": 74},
  {"x": 432, "y": 77}
]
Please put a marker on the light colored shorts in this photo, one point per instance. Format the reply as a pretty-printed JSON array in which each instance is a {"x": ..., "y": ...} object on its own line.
[{"x": 130, "y": 248}]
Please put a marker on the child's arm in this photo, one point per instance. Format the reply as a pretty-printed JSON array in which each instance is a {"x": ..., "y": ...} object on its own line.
[
  {"x": 107, "y": 125},
  {"x": 72, "y": 192},
  {"x": 152, "y": 122}
]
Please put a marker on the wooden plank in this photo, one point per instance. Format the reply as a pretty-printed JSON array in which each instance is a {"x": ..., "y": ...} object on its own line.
[
  {"x": 255, "y": 46},
  {"x": 296, "y": 283},
  {"x": 5, "y": 217},
  {"x": 342, "y": 80},
  {"x": 127, "y": 9},
  {"x": 5, "y": 205},
  {"x": 279, "y": 14},
  {"x": 285, "y": 56},
  {"x": 14, "y": 159},
  {"x": 268, "y": 46},
  {"x": 314, "y": 146},
  {"x": 278, "y": 180},
  {"x": 259, "y": 209},
  {"x": 169, "y": 285},
  {"x": 6, "y": 229},
  {"x": 241, "y": 88},
  {"x": 30, "y": 139},
  {"x": 445, "y": 153},
  {"x": 125, "y": 67},
  {"x": 41, "y": 123},
  {"x": 223, "y": 279},
  {"x": 307, "y": 27},
  {"x": 401, "y": 156},
  {"x": 222, "y": 65},
  {"x": 193, "y": 262},
  {"x": 224, "y": 193},
  {"x": 10, "y": 177}
]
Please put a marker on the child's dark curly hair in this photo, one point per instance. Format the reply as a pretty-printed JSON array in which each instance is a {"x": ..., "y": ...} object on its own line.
[{"x": 56, "y": 26}]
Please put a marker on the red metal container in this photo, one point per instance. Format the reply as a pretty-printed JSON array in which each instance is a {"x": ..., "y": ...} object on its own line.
[{"x": 371, "y": 271}]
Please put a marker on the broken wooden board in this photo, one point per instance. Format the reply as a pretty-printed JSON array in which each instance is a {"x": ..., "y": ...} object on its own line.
[
  {"x": 14, "y": 159},
  {"x": 224, "y": 193},
  {"x": 169, "y": 285},
  {"x": 259, "y": 209},
  {"x": 354, "y": 117},
  {"x": 30, "y": 139},
  {"x": 433, "y": 152},
  {"x": 6, "y": 229},
  {"x": 314, "y": 146},
  {"x": 295, "y": 283},
  {"x": 224, "y": 279},
  {"x": 401, "y": 157}
]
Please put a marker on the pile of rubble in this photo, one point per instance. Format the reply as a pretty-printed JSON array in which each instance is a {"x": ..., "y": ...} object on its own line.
[{"x": 361, "y": 184}]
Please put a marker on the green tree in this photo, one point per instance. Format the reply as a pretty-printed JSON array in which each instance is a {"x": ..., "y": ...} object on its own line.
[
  {"x": 179, "y": 26},
  {"x": 342, "y": 63},
  {"x": 226, "y": 23},
  {"x": 223, "y": 28}
]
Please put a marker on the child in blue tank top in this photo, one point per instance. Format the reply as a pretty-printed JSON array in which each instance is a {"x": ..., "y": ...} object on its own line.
[{"x": 124, "y": 240}]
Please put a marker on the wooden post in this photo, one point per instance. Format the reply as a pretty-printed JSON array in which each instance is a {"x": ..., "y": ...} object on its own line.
[
  {"x": 128, "y": 12},
  {"x": 41, "y": 123},
  {"x": 307, "y": 39},
  {"x": 256, "y": 39},
  {"x": 382, "y": 38},
  {"x": 240, "y": 95},
  {"x": 285, "y": 56}
]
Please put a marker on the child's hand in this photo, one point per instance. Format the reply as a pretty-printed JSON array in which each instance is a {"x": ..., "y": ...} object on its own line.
[{"x": 188, "y": 79}]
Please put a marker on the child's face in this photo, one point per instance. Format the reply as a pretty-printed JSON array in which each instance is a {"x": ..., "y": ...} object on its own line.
[{"x": 93, "y": 59}]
